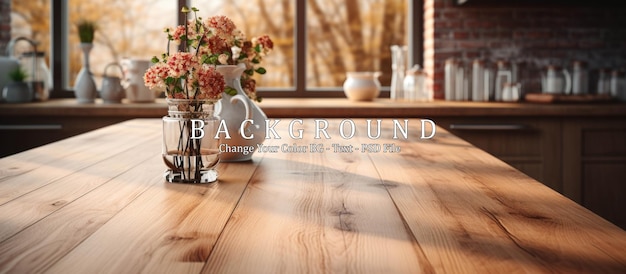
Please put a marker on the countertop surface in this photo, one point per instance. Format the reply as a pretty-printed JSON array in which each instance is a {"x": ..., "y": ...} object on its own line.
[
  {"x": 328, "y": 108},
  {"x": 98, "y": 203}
]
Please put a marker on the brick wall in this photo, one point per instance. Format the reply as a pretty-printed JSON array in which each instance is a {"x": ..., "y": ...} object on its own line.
[
  {"x": 535, "y": 34},
  {"x": 5, "y": 24}
]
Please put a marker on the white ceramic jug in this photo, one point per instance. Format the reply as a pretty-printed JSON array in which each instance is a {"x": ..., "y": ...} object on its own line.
[
  {"x": 234, "y": 110},
  {"x": 136, "y": 90}
]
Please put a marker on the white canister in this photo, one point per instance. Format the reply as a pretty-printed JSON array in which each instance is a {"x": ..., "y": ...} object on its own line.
[
  {"x": 450, "y": 79},
  {"x": 481, "y": 81},
  {"x": 618, "y": 84},
  {"x": 580, "y": 78}
]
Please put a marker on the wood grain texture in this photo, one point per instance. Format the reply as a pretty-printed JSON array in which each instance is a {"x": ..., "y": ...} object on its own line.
[
  {"x": 316, "y": 213},
  {"x": 471, "y": 213},
  {"x": 437, "y": 206},
  {"x": 534, "y": 148},
  {"x": 170, "y": 228}
]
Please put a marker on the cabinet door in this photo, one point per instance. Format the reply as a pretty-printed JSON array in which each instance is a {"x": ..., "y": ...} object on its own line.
[
  {"x": 530, "y": 145},
  {"x": 24, "y": 133},
  {"x": 594, "y": 166}
]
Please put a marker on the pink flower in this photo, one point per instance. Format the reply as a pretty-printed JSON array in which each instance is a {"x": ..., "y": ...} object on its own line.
[
  {"x": 154, "y": 77},
  {"x": 178, "y": 33},
  {"x": 223, "y": 59},
  {"x": 221, "y": 26},
  {"x": 216, "y": 45},
  {"x": 210, "y": 83},
  {"x": 266, "y": 42},
  {"x": 180, "y": 63},
  {"x": 249, "y": 86}
]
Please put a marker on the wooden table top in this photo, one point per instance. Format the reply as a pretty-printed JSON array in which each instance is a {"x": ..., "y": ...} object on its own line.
[{"x": 98, "y": 203}]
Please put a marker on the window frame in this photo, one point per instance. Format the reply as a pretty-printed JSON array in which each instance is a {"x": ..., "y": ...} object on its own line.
[{"x": 59, "y": 52}]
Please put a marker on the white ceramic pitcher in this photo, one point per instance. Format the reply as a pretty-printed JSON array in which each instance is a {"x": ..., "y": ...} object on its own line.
[
  {"x": 234, "y": 110},
  {"x": 136, "y": 90}
]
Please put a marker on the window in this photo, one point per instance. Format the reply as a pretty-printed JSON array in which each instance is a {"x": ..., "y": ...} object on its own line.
[
  {"x": 126, "y": 29},
  {"x": 316, "y": 41},
  {"x": 254, "y": 18},
  {"x": 29, "y": 19},
  {"x": 351, "y": 35}
]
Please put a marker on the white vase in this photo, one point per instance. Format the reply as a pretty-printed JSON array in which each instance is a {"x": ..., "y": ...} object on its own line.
[
  {"x": 234, "y": 110},
  {"x": 85, "y": 87}
]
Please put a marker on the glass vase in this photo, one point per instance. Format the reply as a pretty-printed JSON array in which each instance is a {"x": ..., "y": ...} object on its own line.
[{"x": 190, "y": 150}]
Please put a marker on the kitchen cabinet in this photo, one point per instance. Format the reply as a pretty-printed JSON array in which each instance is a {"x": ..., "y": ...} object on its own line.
[
  {"x": 30, "y": 132},
  {"x": 25, "y": 126},
  {"x": 594, "y": 166}
]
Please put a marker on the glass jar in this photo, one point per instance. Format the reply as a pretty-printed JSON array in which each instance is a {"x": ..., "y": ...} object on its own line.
[
  {"x": 504, "y": 74},
  {"x": 39, "y": 77},
  {"x": 415, "y": 88},
  {"x": 190, "y": 148}
]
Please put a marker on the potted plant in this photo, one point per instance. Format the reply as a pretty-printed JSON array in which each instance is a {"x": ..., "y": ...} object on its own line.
[
  {"x": 17, "y": 91},
  {"x": 85, "y": 86},
  {"x": 86, "y": 31}
]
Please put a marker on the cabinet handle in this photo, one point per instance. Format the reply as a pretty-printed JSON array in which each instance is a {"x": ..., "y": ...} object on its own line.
[
  {"x": 489, "y": 127},
  {"x": 30, "y": 127}
]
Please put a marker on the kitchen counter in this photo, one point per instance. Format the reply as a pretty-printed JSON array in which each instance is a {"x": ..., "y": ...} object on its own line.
[
  {"x": 326, "y": 108},
  {"x": 97, "y": 202}
]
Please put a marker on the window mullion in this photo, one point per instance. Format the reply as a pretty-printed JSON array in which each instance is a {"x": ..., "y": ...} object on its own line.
[
  {"x": 59, "y": 49},
  {"x": 300, "y": 67}
]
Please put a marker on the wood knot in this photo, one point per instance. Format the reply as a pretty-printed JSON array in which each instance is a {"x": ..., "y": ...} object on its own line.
[
  {"x": 198, "y": 254},
  {"x": 59, "y": 203},
  {"x": 343, "y": 216},
  {"x": 176, "y": 238},
  {"x": 385, "y": 185}
]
